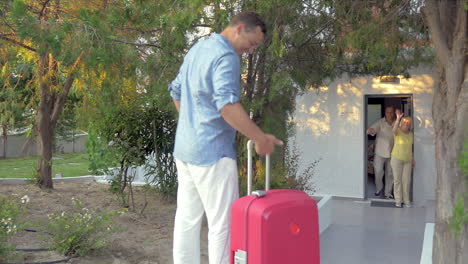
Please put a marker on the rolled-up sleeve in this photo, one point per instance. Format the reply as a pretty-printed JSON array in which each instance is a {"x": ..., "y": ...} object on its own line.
[
  {"x": 174, "y": 87},
  {"x": 376, "y": 126},
  {"x": 226, "y": 80}
]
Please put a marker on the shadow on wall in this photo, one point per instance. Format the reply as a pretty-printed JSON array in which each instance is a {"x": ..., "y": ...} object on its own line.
[
  {"x": 310, "y": 115},
  {"x": 339, "y": 105},
  {"x": 318, "y": 110}
]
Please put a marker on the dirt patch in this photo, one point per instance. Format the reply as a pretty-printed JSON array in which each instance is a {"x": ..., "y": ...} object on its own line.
[{"x": 146, "y": 238}]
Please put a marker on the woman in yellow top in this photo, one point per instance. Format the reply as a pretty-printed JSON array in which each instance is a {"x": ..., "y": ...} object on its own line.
[{"x": 402, "y": 159}]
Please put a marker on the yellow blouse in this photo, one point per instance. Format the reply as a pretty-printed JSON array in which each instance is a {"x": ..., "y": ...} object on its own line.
[{"x": 403, "y": 146}]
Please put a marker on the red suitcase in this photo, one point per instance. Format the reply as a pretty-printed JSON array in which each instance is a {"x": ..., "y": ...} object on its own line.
[{"x": 274, "y": 226}]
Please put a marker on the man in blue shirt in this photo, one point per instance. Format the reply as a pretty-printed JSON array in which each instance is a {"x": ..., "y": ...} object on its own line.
[{"x": 206, "y": 92}]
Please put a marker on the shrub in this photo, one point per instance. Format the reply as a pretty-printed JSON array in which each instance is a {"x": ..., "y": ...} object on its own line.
[
  {"x": 10, "y": 210},
  {"x": 281, "y": 178},
  {"x": 76, "y": 233},
  {"x": 284, "y": 175},
  {"x": 136, "y": 135}
]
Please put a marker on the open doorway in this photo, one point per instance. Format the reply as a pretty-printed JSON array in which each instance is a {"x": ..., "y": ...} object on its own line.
[{"x": 374, "y": 110}]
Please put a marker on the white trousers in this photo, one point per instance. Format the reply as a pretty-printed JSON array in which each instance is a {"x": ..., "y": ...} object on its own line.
[
  {"x": 209, "y": 190},
  {"x": 379, "y": 163}
]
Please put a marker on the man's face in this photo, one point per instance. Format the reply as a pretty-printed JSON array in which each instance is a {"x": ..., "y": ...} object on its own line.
[
  {"x": 247, "y": 41},
  {"x": 389, "y": 113}
]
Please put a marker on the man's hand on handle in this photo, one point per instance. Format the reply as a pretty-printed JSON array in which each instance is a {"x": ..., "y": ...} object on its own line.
[
  {"x": 235, "y": 115},
  {"x": 266, "y": 144}
]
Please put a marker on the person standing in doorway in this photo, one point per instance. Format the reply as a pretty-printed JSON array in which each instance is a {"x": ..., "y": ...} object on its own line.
[
  {"x": 206, "y": 92},
  {"x": 402, "y": 159},
  {"x": 383, "y": 149}
]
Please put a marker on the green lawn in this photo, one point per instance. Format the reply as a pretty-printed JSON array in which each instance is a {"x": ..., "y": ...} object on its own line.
[{"x": 69, "y": 165}]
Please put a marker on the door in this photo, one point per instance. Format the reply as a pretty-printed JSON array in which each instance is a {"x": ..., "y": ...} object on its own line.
[{"x": 375, "y": 106}]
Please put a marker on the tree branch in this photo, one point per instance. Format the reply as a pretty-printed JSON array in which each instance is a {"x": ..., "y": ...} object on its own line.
[
  {"x": 195, "y": 40},
  {"x": 459, "y": 42},
  {"x": 64, "y": 94},
  {"x": 310, "y": 38},
  {"x": 136, "y": 44},
  {"x": 44, "y": 5},
  {"x": 203, "y": 25},
  {"x": 433, "y": 20},
  {"x": 17, "y": 43},
  {"x": 8, "y": 25},
  {"x": 139, "y": 30}
]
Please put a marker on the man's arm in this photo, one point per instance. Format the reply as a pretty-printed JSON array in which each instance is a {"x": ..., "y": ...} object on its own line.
[
  {"x": 235, "y": 115},
  {"x": 177, "y": 104},
  {"x": 374, "y": 128},
  {"x": 371, "y": 131},
  {"x": 174, "y": 89}
]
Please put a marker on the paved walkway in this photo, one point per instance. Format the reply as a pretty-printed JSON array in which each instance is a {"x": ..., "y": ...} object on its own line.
[{"x": 361, "y": 234}]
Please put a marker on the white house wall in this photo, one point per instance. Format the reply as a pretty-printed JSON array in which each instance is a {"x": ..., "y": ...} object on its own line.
[{"x": 330, "y": 126}]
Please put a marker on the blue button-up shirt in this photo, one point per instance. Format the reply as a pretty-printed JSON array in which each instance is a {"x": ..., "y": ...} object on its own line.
[{"x": 208, "y": 79}]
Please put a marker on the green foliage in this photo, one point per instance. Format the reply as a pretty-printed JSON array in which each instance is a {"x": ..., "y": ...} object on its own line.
[
  {"x": 99, "y": 154},
  {"x": 386, "y": 37},
  {"x": 76, "y": 233},
  {"x": 161, "y": 169},
  {"x": 132, "y": 49},
  {"x": 311, "y": 43},
  {"x": 67, "y": 125},
  {"x": 16, "y": 95},
  {"x": 10, "y": 211},
  {"x": 302, "y": 178},
  {"x": 459, "y": 218},
  {"x": 284, "y": 175},
  {"x": 137, "y": 134},
  {"x": 463, "y": 160}
]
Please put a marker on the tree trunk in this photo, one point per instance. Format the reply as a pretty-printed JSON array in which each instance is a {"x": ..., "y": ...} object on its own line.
[
  {"x": 450, "y": 179},
  {"x": 4, "y": 137},
  {"x": 53, "y": 98},
  {"x": 45, "y": 124},
  {"x": 447, "y": 22},
  {"x": 46, "y": 136}
]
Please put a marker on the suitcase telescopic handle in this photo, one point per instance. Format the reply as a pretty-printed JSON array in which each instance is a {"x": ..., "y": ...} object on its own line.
[{"x": 249, "y": 170}]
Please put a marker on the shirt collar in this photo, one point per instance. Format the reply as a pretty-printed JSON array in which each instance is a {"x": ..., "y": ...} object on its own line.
[{"x": 223, "y": 39}]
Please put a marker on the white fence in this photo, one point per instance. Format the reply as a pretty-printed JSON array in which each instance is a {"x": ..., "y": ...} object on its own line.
[
  {"x": 20, "y": 145},
  {"x": 138, "y": 174}
]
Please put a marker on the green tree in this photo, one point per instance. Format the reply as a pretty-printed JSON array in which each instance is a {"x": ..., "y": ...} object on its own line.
[
  {"x": 68, "y": 125},
  {"x": 448, "y": 26},
  {"x": 70, "y": 41},
  {"x": 312, "y": 41},
  {"x": 136, "y": 133},
  {"x": 112, "y": 49},
  {"x": 16, "y": 97},
  {"x": 390, "y": 37}
]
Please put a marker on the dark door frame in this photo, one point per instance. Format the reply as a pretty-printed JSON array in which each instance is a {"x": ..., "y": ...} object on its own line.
[{"x": 366, "y": 103}]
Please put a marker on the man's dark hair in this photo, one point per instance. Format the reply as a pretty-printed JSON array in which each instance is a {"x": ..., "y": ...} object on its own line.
[{"x": 250, "y": 19}]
